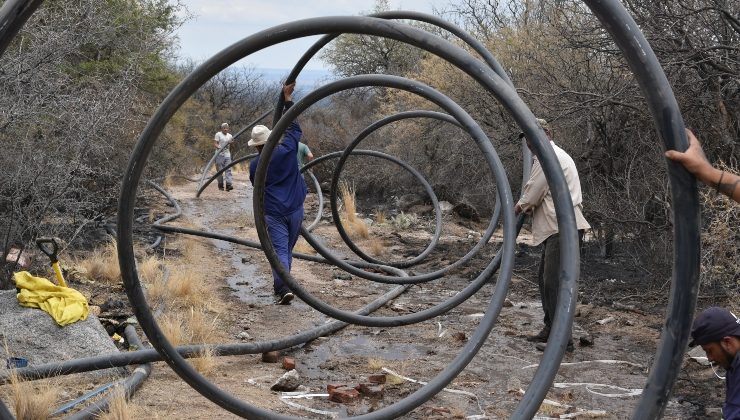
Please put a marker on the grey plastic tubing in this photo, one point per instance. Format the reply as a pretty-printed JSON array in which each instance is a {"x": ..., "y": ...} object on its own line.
[
  {"x": 328, "y": 256},
  {"x": 476, "y": 45}
]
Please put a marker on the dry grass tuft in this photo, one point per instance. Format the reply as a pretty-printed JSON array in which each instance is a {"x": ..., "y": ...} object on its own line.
[
  {"x": 118, "y": 408},
  {"x": 182, "y": 285},
  {"x": 380, "y": 217},
  {"x": 377, "y": 247},
  {"x": 355, "y": 227},
  {"x": 303, "y": 247},
  {"x": 102, "y": 264},
  {"x": 157, "y": 292},
  {"x": 375, "y": 364},
  {"x": 172, "y": 328},
  {"x": 457, "y": 413},
  {"x": 206, "y": 362},
  {"x": 393, "y": 379},
  {"x": 201, "y": 326},
  {"x": 32, "y": 400},
  {"x": 149, "y": 269},
  {"x": 192, "y": 250}
]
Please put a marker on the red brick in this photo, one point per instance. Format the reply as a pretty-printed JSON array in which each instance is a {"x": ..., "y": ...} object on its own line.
[
  {"x": 371, "y": 390},
  {"x": 331, "y": 387},
  {"x": 288, "y": 363},
  {"x": 271, "y": 357},
  {"x": 376, "y": 379},
  {"x": 344, "y": 395}
]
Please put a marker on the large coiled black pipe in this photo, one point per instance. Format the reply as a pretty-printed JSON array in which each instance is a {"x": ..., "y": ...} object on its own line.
[
  {"x": 435, "y": 203},
  {"x": 687, "y": 216},
  {"x": 476, "y": 45},
  {"x": 372, "y": 27},
  {"x": 670, "y": 126},
  {"x": 388, "y": 82}
]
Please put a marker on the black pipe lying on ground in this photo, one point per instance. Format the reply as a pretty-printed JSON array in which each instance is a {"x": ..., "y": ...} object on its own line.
[
  {"x": 151, "y": 355},
  {"x": 130, "y": 385}
]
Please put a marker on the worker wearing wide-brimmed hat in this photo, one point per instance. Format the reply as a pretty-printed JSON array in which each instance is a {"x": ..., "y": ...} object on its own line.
[
  {"x": 285, "y": 191},
  {"x": 537, "y": 199},
  {"x": 717, "y": 331}
]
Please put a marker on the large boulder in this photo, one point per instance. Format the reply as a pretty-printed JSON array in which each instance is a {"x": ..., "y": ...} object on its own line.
[{"x": 32, "y": 334}]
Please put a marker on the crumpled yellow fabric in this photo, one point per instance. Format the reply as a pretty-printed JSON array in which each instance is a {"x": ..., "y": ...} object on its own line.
[{"x": 64, "y": 304}]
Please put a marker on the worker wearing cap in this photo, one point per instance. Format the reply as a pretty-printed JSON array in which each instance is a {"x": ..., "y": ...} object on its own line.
[
  {"x": 285, "y": 191},
  {"x": 222, "y": 140},
  {"x": 537, "y": 199},
  {"x": 717, "y": 331}
]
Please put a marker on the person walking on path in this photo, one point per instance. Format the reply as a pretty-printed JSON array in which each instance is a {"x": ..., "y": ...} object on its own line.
[
  {"x": 717, "y": 331},
  {"x": 221, "y": 139},
  {"x": 537, "y": 199},
  {"x": 694, "y": 160},
  {"x": 285, "y": 191}
]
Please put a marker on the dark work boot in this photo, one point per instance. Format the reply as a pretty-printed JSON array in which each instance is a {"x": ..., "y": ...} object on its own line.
[
  {"x": 221, "y": 187},
  {"x": 569, "y": 348},
  {"x": 540, "y": 337},
  {"x": 229, "y": 187}
]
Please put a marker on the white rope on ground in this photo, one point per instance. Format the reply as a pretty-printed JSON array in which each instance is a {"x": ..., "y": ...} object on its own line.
[
  {"x": 627, "y": 392},
  {"x": 608, "y": 362},
  {"x": 451, "y": 391},
  {"x": 285, "y": 400},
  {"x": 577, "y": 413}
]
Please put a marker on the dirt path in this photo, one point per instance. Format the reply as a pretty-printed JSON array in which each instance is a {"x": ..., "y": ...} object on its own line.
[{"x": 492, "y": 383}]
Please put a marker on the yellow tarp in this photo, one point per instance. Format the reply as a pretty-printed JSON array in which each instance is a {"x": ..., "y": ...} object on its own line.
[{"x": 64, "y": 304}]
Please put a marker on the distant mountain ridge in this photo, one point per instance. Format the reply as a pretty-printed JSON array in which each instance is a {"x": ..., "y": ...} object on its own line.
[{"x": 307, "y": 78}]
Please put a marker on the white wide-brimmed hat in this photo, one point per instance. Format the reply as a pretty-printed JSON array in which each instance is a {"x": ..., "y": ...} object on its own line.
[{"x": 260, "y": 133}]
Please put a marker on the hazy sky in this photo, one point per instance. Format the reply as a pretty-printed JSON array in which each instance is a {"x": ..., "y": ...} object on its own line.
[{"x": 216, "y": 24}]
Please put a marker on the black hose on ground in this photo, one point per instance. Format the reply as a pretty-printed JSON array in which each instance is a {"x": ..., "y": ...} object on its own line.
[
  {"x": 167, "y": 218},
  {"x": 151, "y": 355},
  {"x": 130, "y": 384},
  {"x": 13, "y": 15}
]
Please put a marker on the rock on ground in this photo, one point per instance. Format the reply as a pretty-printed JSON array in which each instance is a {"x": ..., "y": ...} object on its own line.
[{"x": 32, "y": 334}]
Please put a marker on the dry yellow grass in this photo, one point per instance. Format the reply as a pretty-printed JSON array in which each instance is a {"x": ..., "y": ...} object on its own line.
[
  {"x": 156, "y": 291},
  {"x": 206, "y": 363},
  {"x": 380, "y": 217},
  {"x": 303, "y": 247},
  {"x": 201, "y": 326},
  {"x": 149, "y": 269},
  {"x": 32, "y": 400},
  {"x": 375, "y": 364},
  {"x": 118, "y": 409},
  {"x": 172, "y": 328},
  {"x": 182, "y": 285},
  {"x": 377, "y": 247},
  {"x": 355, "y": 227},
  {"x": 102, "y": 264}
]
